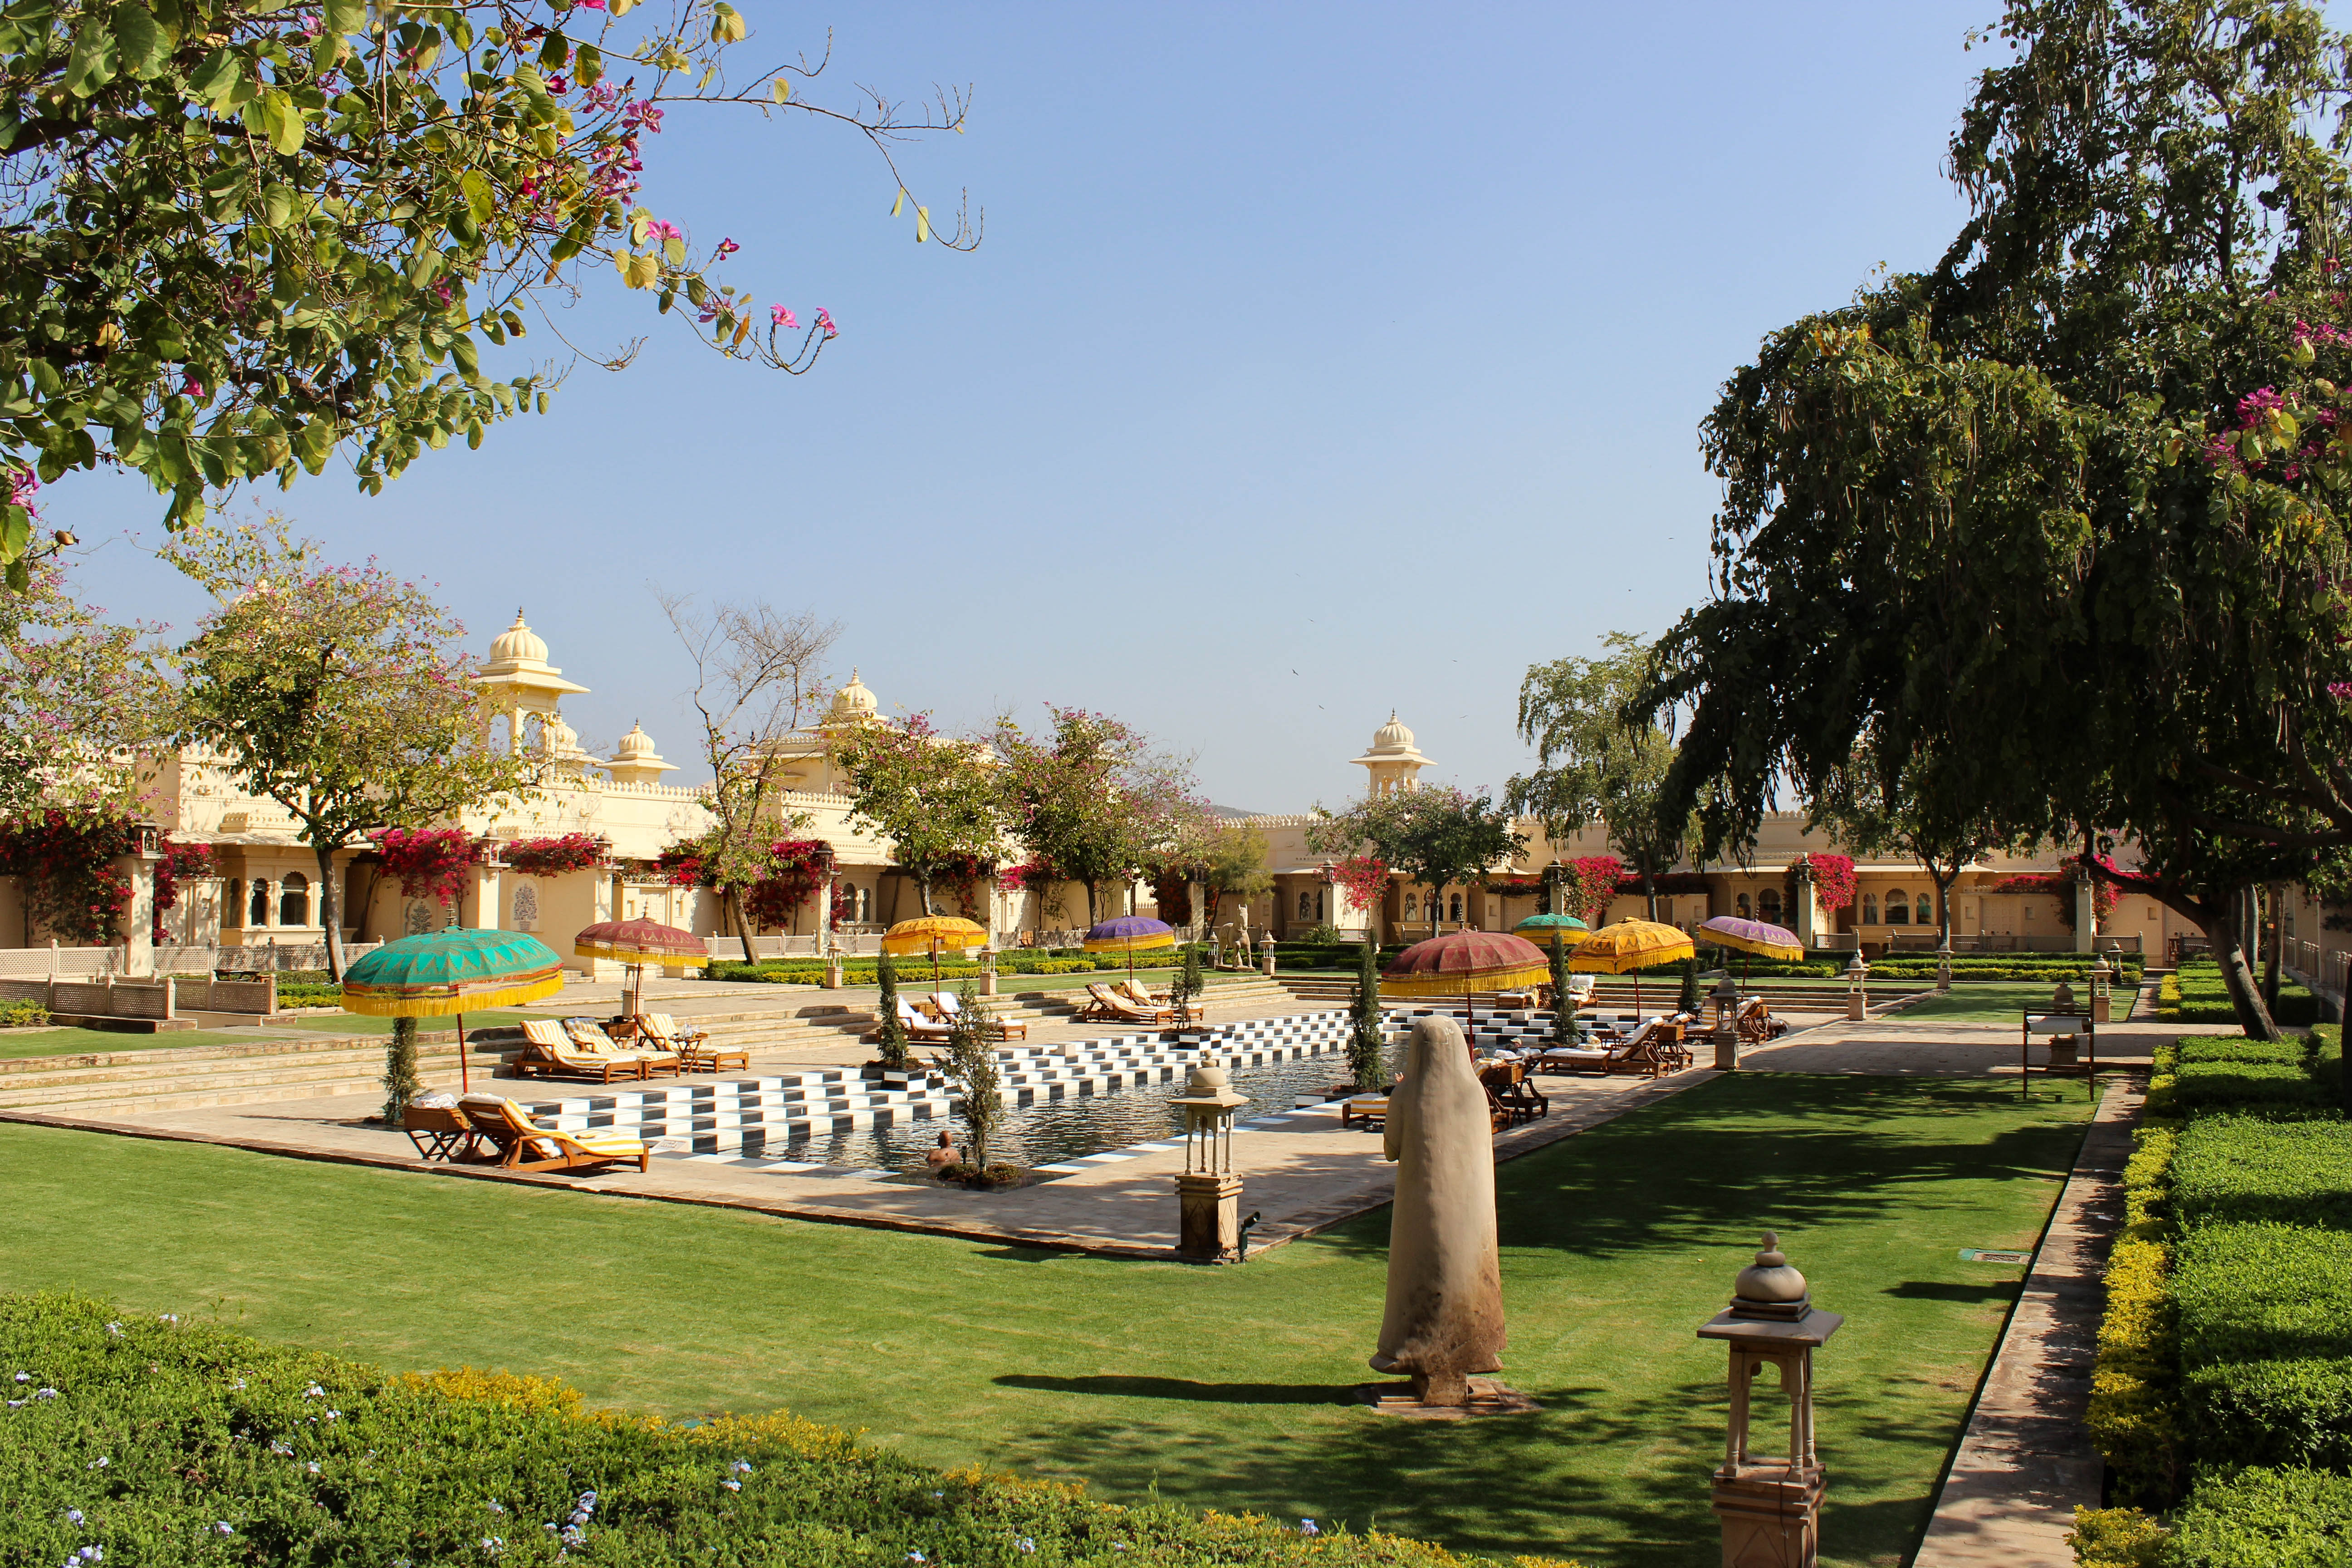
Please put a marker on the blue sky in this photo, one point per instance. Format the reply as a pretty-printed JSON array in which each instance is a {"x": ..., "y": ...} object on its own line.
[{"x": 1318, "y": 360}]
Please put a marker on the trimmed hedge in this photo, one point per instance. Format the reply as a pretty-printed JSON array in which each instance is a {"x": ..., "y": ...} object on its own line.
[
  {"x": 2242, "y": 1170},
  {"x": 2134, "y": 1414},
  {"x": 142, "y": 1441},
  {"x": 2269, "y": 1089},
  {"x": 862, "y": 972},
  {"x": 2266, "y": 1519},
  {"x": 2195, "y": 993},
  {"x": 27, "y": 1013}
]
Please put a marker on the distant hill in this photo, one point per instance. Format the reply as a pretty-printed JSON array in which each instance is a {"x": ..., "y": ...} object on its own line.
[{"x": 1233, "y": 811}]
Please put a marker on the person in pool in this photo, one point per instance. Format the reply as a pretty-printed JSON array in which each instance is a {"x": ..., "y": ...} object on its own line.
[{"x": 943, "y": 1156}]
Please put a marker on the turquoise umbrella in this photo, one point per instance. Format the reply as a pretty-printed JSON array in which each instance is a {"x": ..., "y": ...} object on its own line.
[{"x": 452, "y": 970}]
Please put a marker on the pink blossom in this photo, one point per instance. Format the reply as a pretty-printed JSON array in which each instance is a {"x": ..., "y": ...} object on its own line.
[
  {"x": 2339, "y": 689},
  {"x": 659, "y": 230},
  {"x": 591, "y": 5},
  {"x": 2256, "y": 404},
  {"x": 727, "y": 248},
  {"x": 824, "y": 320},
  {"x": 782, "y": 317},
  {"x": 643, "y": 112},
  {"x": 192, "y": 387}
]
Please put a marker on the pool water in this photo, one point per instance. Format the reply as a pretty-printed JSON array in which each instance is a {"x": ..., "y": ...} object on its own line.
[{"x": 1055, "y": 1131}]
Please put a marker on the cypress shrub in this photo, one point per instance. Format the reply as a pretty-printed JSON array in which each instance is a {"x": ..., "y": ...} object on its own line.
[
  {"x": 893, "y": 1033},
  {"x": 401, "y": 1083}
]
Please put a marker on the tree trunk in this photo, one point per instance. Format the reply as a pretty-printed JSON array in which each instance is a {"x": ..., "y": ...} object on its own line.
[
  {"x": 2271, "y": 952},
  {"x": 923, "y": 887},
  {"x": 1943, "y": 902},
  {"x": 734, "y": 900},
  {"x": 1093, "y": 902},
  {"x": 330, "y": 913},
  {"x": 2239, "y": 977},
  {"x": 1649, "y": 891}
]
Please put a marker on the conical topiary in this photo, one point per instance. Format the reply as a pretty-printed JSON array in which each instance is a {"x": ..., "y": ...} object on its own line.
[
  {"x": 1368, "y": 1050},
  {"x": 893, "y": 1033}
]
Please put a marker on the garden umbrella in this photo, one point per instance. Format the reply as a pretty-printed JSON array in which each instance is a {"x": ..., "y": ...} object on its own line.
[
  {"x": 1553, "y": 931},
  {"x": 1463, "y": 961},
  {"x": 452, "y": 970},
  {"x": 1628, "y": 948},
  {"x": 1129, "y": 934},
  {"x": 1757, "y": 936},
  {"x": 934, "y": 932},
  {"x": 637, "y": 944}
]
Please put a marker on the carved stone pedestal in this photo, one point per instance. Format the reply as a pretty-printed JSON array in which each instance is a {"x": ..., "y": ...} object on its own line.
[
  {"x": 1727, "y": 1049},
  {"x": 1209, "y": 1223},
  {"x": 1771, "y": 1514}
]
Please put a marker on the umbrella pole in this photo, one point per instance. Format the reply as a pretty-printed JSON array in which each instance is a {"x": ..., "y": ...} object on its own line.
[{"x": 465, "y": 1079}]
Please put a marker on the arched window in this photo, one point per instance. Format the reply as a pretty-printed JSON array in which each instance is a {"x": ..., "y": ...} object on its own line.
[
  {"x": 1767, "y": 905},
  {"x": 233, "y": 903},
  {"x": 1453, "y": 909},
  {"x": 1926, "y": 911},
  {"x": 1898, "y": 908},
  {"x": 1739, "y": 905},
  {"x": 294, "y": 900},
  {"x": 1869, "y": 909},
  {"x": 258, "y": 908}
]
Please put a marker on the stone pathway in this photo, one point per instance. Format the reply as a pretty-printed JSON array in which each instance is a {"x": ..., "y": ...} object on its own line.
[{"x": 2026, "y": 1461}]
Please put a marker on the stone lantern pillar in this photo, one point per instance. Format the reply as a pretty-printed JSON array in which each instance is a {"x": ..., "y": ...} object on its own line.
[
  {"x": 1944, "y": 964},
  {"x": 1265, "y": 952},
  {"x": 2103, "y": 975},
  {"x": 1726, "y": 1034},
  {"x": 1208, "y": 1195},
  {"x": 1857, "y": 992},
  {"x": 988, "y": 969},
  {"x": 1771, "y": 1508}
]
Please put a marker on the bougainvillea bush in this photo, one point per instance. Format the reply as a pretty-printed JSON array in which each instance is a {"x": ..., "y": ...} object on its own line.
[
  {"x": 66, "y": 862},
  {"x": 554, "y": 856},
  {"x": 1832, "y": 878},
  {"x": 136, "y": 1442},
  {"x": 431, "y": 862}
]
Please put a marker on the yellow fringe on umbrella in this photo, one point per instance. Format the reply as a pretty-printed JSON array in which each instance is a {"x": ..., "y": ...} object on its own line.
[
  {"x": 1462, "y": 980},
  {"x": 1144, "y": 943},
  {"x": 436, "y": 1001},
  {"x": 1628, "y": 945},
  {"x": 623, "y": 954}
]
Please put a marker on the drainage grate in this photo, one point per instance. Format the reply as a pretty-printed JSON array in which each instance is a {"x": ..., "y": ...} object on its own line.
[{"x": 1993, "y": 1255}]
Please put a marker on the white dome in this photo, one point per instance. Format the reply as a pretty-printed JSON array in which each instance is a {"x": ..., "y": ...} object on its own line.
[
  {"x": 557, "y": 738},
  {"x": 854, "y": 700},
  {"x": 1391, "y": 736},
  {"x": 518, "y": 645},
  {"x": 636, "y": 743}
]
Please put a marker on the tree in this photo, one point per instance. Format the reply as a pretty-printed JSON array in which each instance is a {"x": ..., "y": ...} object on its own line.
[
  {"x": 401, "y": 1083},
  {"x": 1189, "y": 985},
  {"x": 893, "y": 1037},
  {"x": 1563, "y": 1011},
  {"x": 1233, "y": 865},
  {"x": 340, "y": 693},
  {"x": 755, "y": 672},
  {"x": 2069, "y": 506},
  {"x": 80, "y": 699},
  {"x": 971, "y": 1067},
  {"x": 936, "y": 799},
  {"x": 1907, "y": 804},
  {"x": 1368, "y": 1046},
  {"x": 1590, "y": 886},
  {"x": 237, "y": 238},
  {"x": 1435, "y": 835},
  {"x": 1592, "y": 764},
  {"x": 1093, "y": 797}
]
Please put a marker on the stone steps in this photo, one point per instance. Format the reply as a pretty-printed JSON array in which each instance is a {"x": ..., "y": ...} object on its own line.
[{"x": 252, "y": 1079}]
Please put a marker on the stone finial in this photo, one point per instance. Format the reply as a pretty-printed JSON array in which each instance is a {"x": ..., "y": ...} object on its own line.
[{"x": 1769, "y": 1287}]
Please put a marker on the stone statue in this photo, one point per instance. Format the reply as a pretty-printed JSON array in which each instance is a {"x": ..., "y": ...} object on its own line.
[
  {"x": 1444, "y": 1318},
  {"x": 1241, "y": 937}
]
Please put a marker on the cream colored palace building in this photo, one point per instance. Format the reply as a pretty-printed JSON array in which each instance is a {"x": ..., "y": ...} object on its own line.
[{"x": 262, "y": 891}]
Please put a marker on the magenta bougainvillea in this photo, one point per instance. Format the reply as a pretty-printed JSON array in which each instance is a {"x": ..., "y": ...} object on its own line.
[
  {"x": 1365, "y": 877},
  {"x": 66, "y": 865},
  {"x": 431, "y": 862},
  {"x": 554, "y": 856},
  {"x": 1832, "y": 878},
  {"x": 797, "y": 868},
  {"x": 1591, "y": 882}
]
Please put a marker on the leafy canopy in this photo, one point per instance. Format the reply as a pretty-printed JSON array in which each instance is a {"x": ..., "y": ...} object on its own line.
[
  {"x": 1436, "y": 834},
  {"x": 237, "y": 237},
  {"x": 1594, "y": 762},
  {"x": 936, "y": 799}
]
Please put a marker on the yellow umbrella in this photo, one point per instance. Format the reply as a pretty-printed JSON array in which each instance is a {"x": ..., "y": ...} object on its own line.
[
  {"x": 932, "y": 932},
  {"x": 1630, "y": 947}
]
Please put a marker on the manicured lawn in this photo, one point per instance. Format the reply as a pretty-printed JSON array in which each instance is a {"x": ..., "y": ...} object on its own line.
[
  {"x": 75, "y": 1042},
  {"x": 1997, "y": 1001},
  {"x": 1225, "y": 1387}
]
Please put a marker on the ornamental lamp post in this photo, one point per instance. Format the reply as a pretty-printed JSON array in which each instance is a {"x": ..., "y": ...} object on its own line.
[
  {"x": 1208, "y": 1195},
  {"x": 1944, "y": 961},
  {"x": 1857, "y": 994},
  {"x": 1770, "y": 1507},
  {"x": 1726, "y": 998},
  {"x": 2103, "y": 975}
]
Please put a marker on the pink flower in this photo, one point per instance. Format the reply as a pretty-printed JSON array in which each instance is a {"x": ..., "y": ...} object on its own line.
[
  {"x": 782, "y": 317},
  {"x": 591, "y": 5},
  {"x": 643, "y": 112},
  {"x": 2339, "y": 689},
  {"x": 824, "y": 320},
  {"x": 727, "y": 248},
  {"x": 192, "y": 387},
  {"x": 659, "y": 230}
]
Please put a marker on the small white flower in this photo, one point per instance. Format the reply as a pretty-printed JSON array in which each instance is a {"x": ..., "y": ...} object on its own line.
[
  {"x": 115, "y": 1330},
  {"x": 99, "y": 1463},
  {"x": 14, "y": 1404},
  {"x": 334, "y": 1413},
  {"x": 239, "y": 1384},
  {"x": 24, "y": 1377},
  {"x": 1025, "y": 1544},
  {"x": 45, "y": 1393},
  {"x": 314, "y": 1392},
  {"x": 917, "y": 1557},
  {"x": 743, "y": 1469},
  {"x": 277, "y": 1446},
  {"x": 73, "y": 1516},
  {"x": 168, "y": 1317},
  {"x": 1308, "y": 1527},
  {"x": 314, "y": 1467},
  {"x": 732, "y": 1486},
  {"x": 497, "y": 1507},
  {"x": 224, "y": 1528}
]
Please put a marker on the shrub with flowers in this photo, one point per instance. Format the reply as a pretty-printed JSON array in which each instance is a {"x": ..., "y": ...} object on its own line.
[
  {"x": 554, "y": 856},
  {"x": 1591, "y": 883},
  {"x": 66, "y": 862},
  {"x": 795, "y": 869},
  {"x": 431, "y": 862},
  {"x": 1365, "y": 879},
  {"x": 1833, "y": 879}
]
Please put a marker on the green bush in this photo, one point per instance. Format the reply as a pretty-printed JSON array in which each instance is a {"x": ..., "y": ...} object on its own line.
[
  {"x": 28, "y": 1013},
  {"x": 2272, "y": 1089},
  {"x": 2265, "y": 1313},
  {"x": 163, "y": 1443},
  {"x": 2195, "y": 994},
  {"x": 2241, "y": 1169},
  {"x": 308, "y": 996},
  {"x": 2266, "y": 1519},
  {"x": 2134, "y": 1414},
  {"x": 2295, "y": 1412}
]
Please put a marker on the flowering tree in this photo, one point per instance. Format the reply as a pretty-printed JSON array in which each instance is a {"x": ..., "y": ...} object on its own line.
[
  {"x": 430, "y": 862},
  {"x": 77, "y": 697},
  {"x": 1590, "y": 886},
  {"x": 1833, "y": 876},
  {"x": 1366, "y": 879},
  {"x": 797, "y": 868},
  {"x": 755, "y": 673},
  {"x": 1039, "y": 878},
  {"x": 65, "y": 864},
  {"x": 1092, "y": 795},
  {"x": 337, "y": 691},
  {"x": 1437, "y": 836},
  {"x": 934, "y": 797},
  {"x": 554, "y": 856},
  {"x": 238, "y": 238}
]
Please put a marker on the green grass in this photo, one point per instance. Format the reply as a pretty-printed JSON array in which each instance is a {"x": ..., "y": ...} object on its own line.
[
  {"x": 1997, "y": 1001},
  {"x": 75, "y": 1042},
  {"x": 1224, "y": 1387}
]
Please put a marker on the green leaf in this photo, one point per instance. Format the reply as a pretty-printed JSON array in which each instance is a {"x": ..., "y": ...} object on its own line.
[
  {"x": 286, "y": 127},
  {"x": 93, "y": 63},
  {"x": 477, "y": 187},
  {"x": 140, "y": 43},
  {"x": 213, "y": 83},
  {"x": 46, "y": 377},
  {"x": 468, "y": 356},
  {"x": 276, "y": 203},
  {"x": 588, "y": 65},
  {"x": 344, "y": 16}
]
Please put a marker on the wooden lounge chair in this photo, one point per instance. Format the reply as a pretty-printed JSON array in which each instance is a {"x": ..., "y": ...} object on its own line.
[
  {"x": 926, "y": 1031},
  {"x": 947, "y": 1004},
  {"x": 1370, "y": 1112},
  {"x": 588, "y": 1035},
  {"x": 547, "y": 1052},
  {"x": 523, "y": 1144},
  {"x": 1137, "y": 992},
  {"x": 1641, "y": 1052},
  {"x": 1757, "y": 1024},
  {"x": 1111, "y": 1006},
  {"x": 1509, "y": 1094},
  {"x": 439, "y": 1132},
  {"x": 692, "y": 1046}
]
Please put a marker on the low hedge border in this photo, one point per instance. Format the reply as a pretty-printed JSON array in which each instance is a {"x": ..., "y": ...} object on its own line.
[
  {"x": 2196, "y": 993},
  {"x": 2263, "y": 1518},
  {"x": 134, "y": 1440},
  {"x": 2135, "y": 1416}
]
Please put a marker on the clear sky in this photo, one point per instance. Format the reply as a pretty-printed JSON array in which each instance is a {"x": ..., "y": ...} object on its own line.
[{"x": 1319, "y": 360}]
